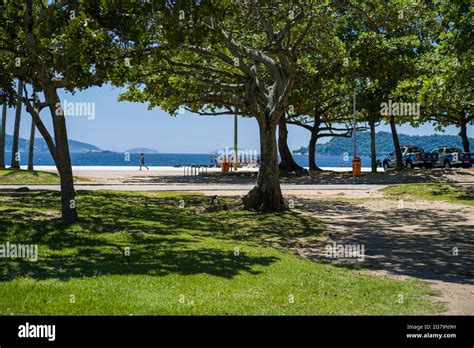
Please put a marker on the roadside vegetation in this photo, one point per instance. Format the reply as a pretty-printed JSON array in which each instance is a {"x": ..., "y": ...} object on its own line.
[
  {"x": 190, "y": 260},
  {"x": 430, "y": 192},
  {"x": 29, "y": 177},
  {"x": 26, "y": 177}
]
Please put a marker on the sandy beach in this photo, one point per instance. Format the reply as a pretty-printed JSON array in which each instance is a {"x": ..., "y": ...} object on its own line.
[{"x": 115, "y": 175}]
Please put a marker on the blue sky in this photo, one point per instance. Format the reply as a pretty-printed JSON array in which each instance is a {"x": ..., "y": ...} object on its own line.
[{"x": 121, "y": 126}]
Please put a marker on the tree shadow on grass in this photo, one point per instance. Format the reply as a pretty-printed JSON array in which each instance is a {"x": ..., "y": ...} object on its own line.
[
  {"x": 159, "y": 237},
  {"x": 150, "y": 260},
  {"x": 288, "y": 231}
]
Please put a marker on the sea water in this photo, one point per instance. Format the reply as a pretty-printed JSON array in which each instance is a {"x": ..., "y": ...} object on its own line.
[{"x": 168, "y": 159}]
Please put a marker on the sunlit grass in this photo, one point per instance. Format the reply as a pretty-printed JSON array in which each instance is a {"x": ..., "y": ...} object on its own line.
[
  {"x": 429, "y": 191},
  {"x": 181, "y": 261},
  {"x": 28, "y": 177}
]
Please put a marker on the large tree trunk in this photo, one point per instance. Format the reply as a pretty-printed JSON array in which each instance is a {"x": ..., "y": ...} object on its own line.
[
  {"x": 463, "y": 132},
  {"x": 266, "y": 195},
  {"x": 312, "y": 151},
  {"x": 287, "y": 163},
  {"x": 3, "y": 133},
  {"x": 31, "y": 146},
  {"x": 63, "y": 161},
  {"x": 396, "y": 144},
  {"x": 15, "y": 163},
  {"x": 373, "y": 153}
]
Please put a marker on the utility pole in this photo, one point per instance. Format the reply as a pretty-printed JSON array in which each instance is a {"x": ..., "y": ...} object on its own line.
[
  {"x": 235, "y": 143},
  {"x": 356, "y": 162},
  {"x": 354, "y": 123}
]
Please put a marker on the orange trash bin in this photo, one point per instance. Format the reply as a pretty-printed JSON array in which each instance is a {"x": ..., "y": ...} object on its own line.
[
  {"x": 356, "y": 166},
  {"x": 225, "y": 165}
]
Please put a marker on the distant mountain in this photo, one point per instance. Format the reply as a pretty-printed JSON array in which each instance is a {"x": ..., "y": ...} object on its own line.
[
  {"x": 40, "y": 145},
  {"x": 142, "y": 150},
  {"x": 384, "y": 143}
]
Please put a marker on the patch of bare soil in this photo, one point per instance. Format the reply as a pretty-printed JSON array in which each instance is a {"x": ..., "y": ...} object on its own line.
[{"x": 431, "y": 241}]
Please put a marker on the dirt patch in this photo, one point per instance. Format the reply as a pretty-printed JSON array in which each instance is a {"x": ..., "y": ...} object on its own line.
[{"x": 431, "y": 241}]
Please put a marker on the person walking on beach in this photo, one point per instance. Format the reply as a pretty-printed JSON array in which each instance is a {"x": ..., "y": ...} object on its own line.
[{"x": 142, "y": 162}]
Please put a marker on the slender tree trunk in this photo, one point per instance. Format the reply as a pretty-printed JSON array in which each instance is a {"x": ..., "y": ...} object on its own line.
[
  {"x": 32, "y": 132},
  {"x": 463, "y": 133},
  {"x": 266, "y": 195},
  {"x": 373, "y": 154},
  {"x": 60, "y": 150},
  {"x": 32, "y": 146},
  {"x": 312, "y": 151},
  {"x": 313, "y": 141},
  {"x": 287, "y": 163},
  {"x": 3, "y": 133},
  {"x": 15, "y": 163},
  {"x": 63, "y": 162},
  {"x": 396, "y": 144}
]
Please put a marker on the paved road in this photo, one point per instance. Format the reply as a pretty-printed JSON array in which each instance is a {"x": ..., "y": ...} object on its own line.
[{"x": 194, "y": 187}]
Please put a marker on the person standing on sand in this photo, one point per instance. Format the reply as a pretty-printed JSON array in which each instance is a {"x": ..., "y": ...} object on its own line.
[{"x": 142, "y": 162}]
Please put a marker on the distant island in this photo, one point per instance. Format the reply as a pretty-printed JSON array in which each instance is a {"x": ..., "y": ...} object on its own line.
[
  {"x": 142, "y": 150},
  {"x": 41, "y": 147},
  {"x": 74, "y": 147},
  {"x": 384, "y": 143}
]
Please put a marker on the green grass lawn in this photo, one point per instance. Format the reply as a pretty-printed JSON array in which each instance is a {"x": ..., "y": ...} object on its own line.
[
  {"x": 182, "y": 261},
  {"x": 28, "y": 177},
  {"x": 430, "y": 192}
]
